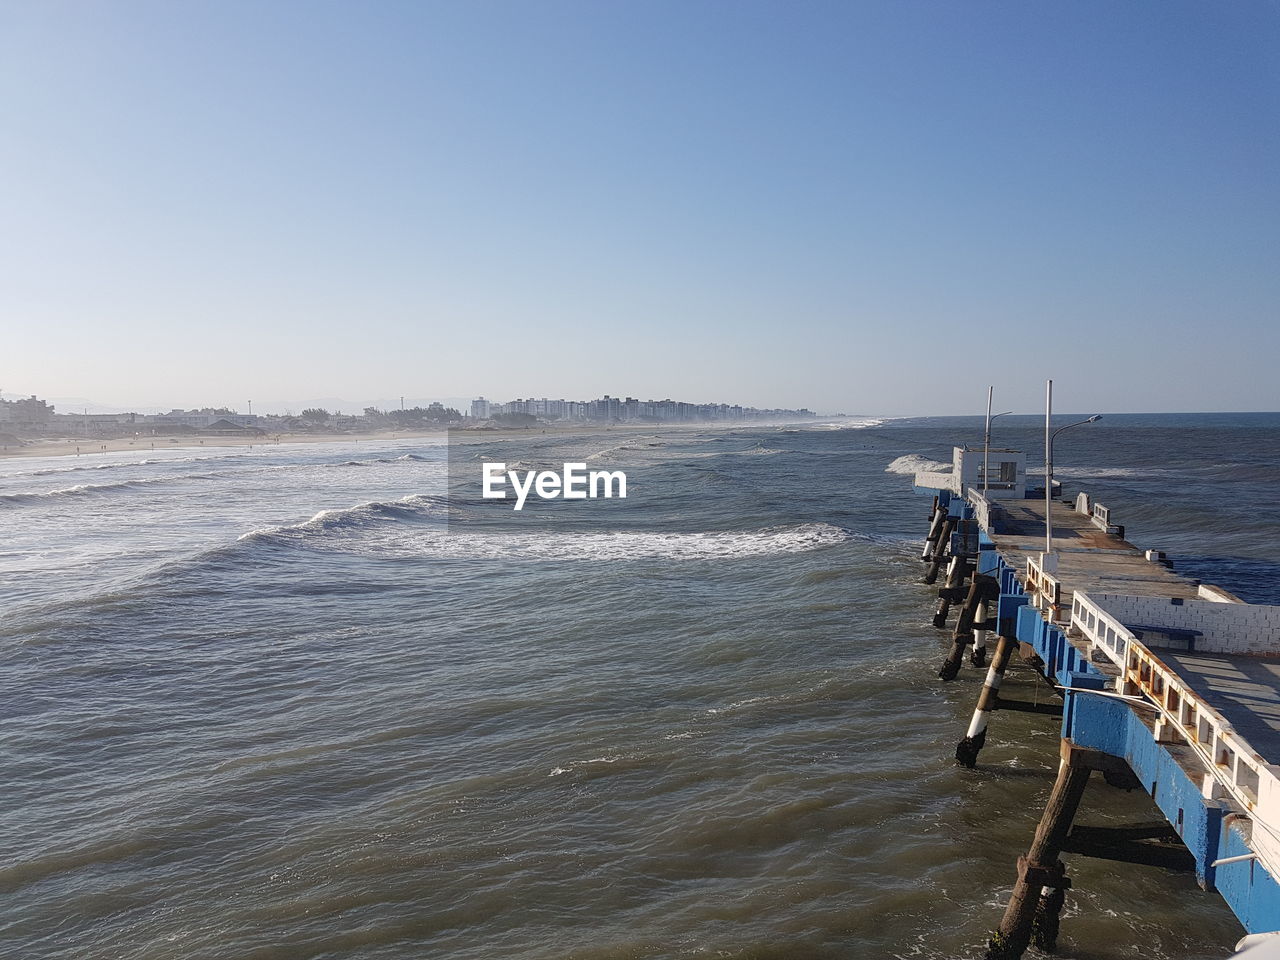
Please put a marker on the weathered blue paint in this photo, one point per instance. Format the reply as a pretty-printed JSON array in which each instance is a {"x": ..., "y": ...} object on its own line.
[
  {"x": 1113, "y": 726},
  {"x": 1248, "y": 887},
  {"x": 988, "y": 559}
]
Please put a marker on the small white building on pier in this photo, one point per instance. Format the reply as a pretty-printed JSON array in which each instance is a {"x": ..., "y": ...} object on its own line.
[{"x": 1003, "y": 470}]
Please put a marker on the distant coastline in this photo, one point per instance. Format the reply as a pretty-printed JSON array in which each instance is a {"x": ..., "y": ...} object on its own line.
[{"x": 81, "y": 446}]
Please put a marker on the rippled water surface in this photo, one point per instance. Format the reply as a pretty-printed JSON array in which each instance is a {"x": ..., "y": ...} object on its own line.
[{"x": 284, "y": 702}]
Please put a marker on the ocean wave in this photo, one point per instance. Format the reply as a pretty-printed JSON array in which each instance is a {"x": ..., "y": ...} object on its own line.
[
  {"x": 406, "y": 458},
  {"x": 360, "y": 516},
  {"x": 618, "y": 546},
  {"x": 690, "y": 456},
  {"x": 91, "y": 489},
  {"x": 913, "y": 463},
  {"x": 625, "y": 445},
  {"x": 54, "y": 471},
  {"x": 1109, "y": 473},
  {"x": 852, "y": 423}
]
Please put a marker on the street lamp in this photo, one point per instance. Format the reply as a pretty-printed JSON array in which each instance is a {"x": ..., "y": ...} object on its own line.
[
  {"x": 986, "y": 440},
  {"x": 1049, "y": 437}
]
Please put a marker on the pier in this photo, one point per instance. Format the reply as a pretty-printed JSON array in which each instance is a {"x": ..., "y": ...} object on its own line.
[{"x": 1161, "y": 683}]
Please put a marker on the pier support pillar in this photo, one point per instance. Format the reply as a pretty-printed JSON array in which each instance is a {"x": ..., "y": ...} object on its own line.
[
  {"x": 967, "y": 749},
  {"x": 982, "y": 589},
  {"x": 978, "y": 656},
  {"x": 953, "y": 589},
  {"x": 1048, "y": 916},
  {"x": 1041, "y": 877},
  {"x": 935, "y": 530},
  {"x": 940, "y": 550}
]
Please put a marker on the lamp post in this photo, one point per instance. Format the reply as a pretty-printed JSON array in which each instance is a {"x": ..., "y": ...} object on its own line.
[
  {"x": 986, "y": 439},
  {"x": 1049, "y": 437}
]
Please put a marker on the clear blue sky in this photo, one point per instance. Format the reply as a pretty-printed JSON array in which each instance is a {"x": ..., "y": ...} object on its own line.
[{"x": 780, "y": 203}]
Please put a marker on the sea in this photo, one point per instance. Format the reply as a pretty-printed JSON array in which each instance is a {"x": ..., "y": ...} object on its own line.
[{"x": 294, "y": 701}]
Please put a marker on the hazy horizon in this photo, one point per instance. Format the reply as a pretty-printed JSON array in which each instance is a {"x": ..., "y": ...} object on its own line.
[
  {"x": 76, "y": 405},
  {"x": 866, "y": 207}
]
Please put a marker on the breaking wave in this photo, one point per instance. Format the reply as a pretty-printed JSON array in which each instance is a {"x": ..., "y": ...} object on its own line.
[
  {"x": 1107, "y": 473},
  {"x": 913, "y": 463},
  {"x": 123, "y": 465},
  {"x": 359, "y": 517},
  {"x": 631, "y": 443},
  {"x": 357, "y": 530},
  {"x": 91, "y": 489},
  {"x": 852, "y": 423}
]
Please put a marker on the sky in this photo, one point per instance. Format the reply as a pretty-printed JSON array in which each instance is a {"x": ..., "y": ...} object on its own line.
[{"x": 864, "y": 207}]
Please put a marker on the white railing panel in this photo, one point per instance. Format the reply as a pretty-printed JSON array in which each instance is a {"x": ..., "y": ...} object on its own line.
[{"x": 1225, "y": 755}]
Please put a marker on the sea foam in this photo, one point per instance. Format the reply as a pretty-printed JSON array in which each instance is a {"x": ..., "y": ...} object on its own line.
[{"x": 913, "y": 463}]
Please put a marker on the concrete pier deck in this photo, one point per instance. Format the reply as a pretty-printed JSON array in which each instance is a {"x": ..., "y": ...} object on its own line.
[
  {"x": 1089, "y": 558},
  {"x": 1245, "y": 690}
]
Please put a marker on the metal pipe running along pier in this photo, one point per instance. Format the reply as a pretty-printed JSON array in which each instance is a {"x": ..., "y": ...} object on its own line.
[{"x": 1166, "y": 684}]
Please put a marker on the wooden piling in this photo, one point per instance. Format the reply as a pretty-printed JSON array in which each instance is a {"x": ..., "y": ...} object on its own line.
[
  {"x": 1040, "y": 873},
  {"x": 936, "y": 519},
  {"x": 940, "y": 550},
  {"x": 952, "y": 589},
  {"x": 1048, "y": 916},
  {"x": 981, "y": 589},
  {"x": 978, "y": 655},
  {"x": 967, "y": 750}
]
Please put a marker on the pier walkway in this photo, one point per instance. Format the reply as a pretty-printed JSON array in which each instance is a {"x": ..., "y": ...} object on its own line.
[{"x": 1089, "y": 558}]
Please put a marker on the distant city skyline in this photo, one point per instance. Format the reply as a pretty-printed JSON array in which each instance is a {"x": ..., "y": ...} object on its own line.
[
  {"x": 476, "y": 406},
  {"x": 871, "y": 207},
  {"x": 971, "y": 403}
]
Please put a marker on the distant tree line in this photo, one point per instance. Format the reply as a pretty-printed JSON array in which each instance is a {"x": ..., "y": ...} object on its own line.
[
  {"x": 516, "y": 419},
  {"x": 414, "y": 416},
  {"x": 434, "y": 413}
]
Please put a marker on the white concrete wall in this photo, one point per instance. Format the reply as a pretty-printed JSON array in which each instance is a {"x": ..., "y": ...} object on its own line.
[
  {"x": 1209, "y": 591},
  {"x": 984, "y": 511},
  {"x": 968, "y": 465},
  {"x": 933, "y": 480},
  {"x": 1242, "y": 628}
]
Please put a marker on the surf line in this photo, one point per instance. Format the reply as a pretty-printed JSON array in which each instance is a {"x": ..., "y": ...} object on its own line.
[{"x": 575, "y": 482}]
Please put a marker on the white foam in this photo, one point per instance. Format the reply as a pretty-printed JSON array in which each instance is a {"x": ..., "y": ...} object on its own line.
[
  {"x": 93, "y": 488},
  {"x": 850, "y": 423},
  {"x": 578, "y": 764},
  {"x": 347, "y": 520},
  {"x": 644, "y": 546},
  {"x": 351, "y": 531},
  {"x": 625, "y": 445},
  {"x": 913, "y": 463},
  {"x": 1104, "y": 473}
]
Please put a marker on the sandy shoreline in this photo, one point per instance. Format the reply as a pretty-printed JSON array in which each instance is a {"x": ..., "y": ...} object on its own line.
[{"x": 79, "y": 446}]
